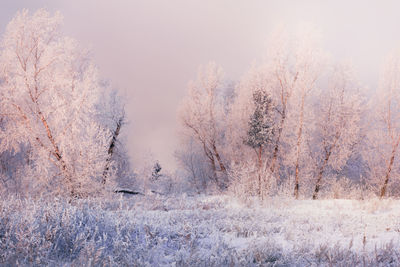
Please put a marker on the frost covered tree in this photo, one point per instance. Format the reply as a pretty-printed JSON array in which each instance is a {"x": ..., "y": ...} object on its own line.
[
  {"x": 52, "y": 100},
  {"x": 112, "y": 117},
  {"x": 288, "y": 73},
  {"x": 285, "y": 78},
  {"x": 261, "y": 129},
  {"x": 201, "y": 117},
  {"x": 337, "y": 126},
  {"x": 193, "y": 164},
  {"x": 309, "y": 68},
  {"x": 384, "y": 132}
]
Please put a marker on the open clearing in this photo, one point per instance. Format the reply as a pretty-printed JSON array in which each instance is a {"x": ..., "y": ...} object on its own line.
[{"x": 199, "y": 231}]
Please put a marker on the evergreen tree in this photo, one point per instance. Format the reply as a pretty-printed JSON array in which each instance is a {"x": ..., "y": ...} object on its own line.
[
  {"x": 156, "y": 171},
  {"x": 261, "y": 128},
  {"x": 261, "y": 122}
]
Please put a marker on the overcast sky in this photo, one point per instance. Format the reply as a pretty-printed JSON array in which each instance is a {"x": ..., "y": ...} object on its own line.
[{"x": 151, "y": 49}]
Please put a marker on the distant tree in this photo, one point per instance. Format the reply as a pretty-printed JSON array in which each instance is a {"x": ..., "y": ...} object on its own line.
[
  {"x": 193, "y": 164},
  {"x": 261, "y": 129},
  {"x": 288, "y": 74},
  {"x": 337, "y": 127},
  {"x": 111, "y": 116},
  {"x": 111, "y": 148},
  {"x": 384, "y": 128},
  {"x": 309, "y": 69},
  {"x": 200, "y": 115},
  {"x": 156, "y": 173}
]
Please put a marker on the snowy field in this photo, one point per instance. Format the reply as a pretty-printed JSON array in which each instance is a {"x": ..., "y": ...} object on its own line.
[{"x": 200, "y": 231}]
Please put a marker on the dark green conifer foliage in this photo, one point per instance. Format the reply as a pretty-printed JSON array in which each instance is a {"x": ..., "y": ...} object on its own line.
[{"x": 261, "y": 125}]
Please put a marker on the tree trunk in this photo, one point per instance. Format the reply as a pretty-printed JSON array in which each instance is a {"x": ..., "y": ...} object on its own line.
[
  {"x": 320, "y": 173},
  {"x": 214, "y": 169},
  {"x": 54, "y": 151},
  {"x": 277, "y": 144},
  {"x": 260, "y": 193},
  {"x": 298, "y": 146},
  {"x": 388, "y": 171},
  {"x": 220, "y": 163},
  {"x": 57, "y": 153},
  {"x": 210, "y": 157},
  {"x": 111, "y": 149},
  {"x": 284, "y": 100}
]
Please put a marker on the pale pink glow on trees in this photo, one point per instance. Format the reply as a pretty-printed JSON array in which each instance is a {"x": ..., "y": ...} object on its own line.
[
  {"x": 338, "y": 123},
  {"x": 51, "y": 102},
  {"x": 315, "y": 115},
  {"x": 384, "y": 128},
  {"x": 201, "y": 115},
  {"x": 289, "y": 74},
  {"x": 293, "y": 120},
  {"x": 260, "y": 131},
  {"x": 284, "y": 154},
  {"x": 307, "y": 64}
]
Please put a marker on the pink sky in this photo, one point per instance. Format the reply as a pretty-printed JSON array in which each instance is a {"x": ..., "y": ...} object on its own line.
[{"x": 151, "y": 49}]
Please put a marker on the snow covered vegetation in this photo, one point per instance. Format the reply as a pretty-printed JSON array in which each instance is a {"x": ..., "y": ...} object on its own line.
[
  {"x": 291, "y": 165},
  {"x": 200, "y": 231},
  {"x": 59, "y": 122}
]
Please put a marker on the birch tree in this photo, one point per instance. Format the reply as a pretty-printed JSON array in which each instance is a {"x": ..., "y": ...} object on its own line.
[
  {"x": 200, "y": 116},
  {"x": 309, "y": 68},
  {"x": 284, "y": 76},
  {"x": 384, "y": 133},
  {"x": 50, "y": 94},
  {"x": 337, "y": 124}
]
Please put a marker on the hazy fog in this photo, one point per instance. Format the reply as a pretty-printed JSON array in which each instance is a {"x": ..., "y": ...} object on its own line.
[{"x": 151, "y": 49}]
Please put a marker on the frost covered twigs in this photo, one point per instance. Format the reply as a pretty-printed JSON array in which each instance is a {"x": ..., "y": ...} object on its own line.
[{"x": 202, "y": 230}]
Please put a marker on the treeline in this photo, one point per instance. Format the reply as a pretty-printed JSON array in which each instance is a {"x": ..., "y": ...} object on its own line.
[{"x": 297, "y": 119}]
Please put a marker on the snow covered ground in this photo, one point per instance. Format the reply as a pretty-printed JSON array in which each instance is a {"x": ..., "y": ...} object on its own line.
[{"x": 201, "y": 231}]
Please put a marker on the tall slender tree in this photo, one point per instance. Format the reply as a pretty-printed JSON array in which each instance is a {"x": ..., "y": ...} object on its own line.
[
  {"x": 337, "y": 124},
  {"x": 309, "y": 58},
  {"x": 261, "y": 129},
  {"x": 200, "y": 116},
  {"x": 384, "y": 131}
]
